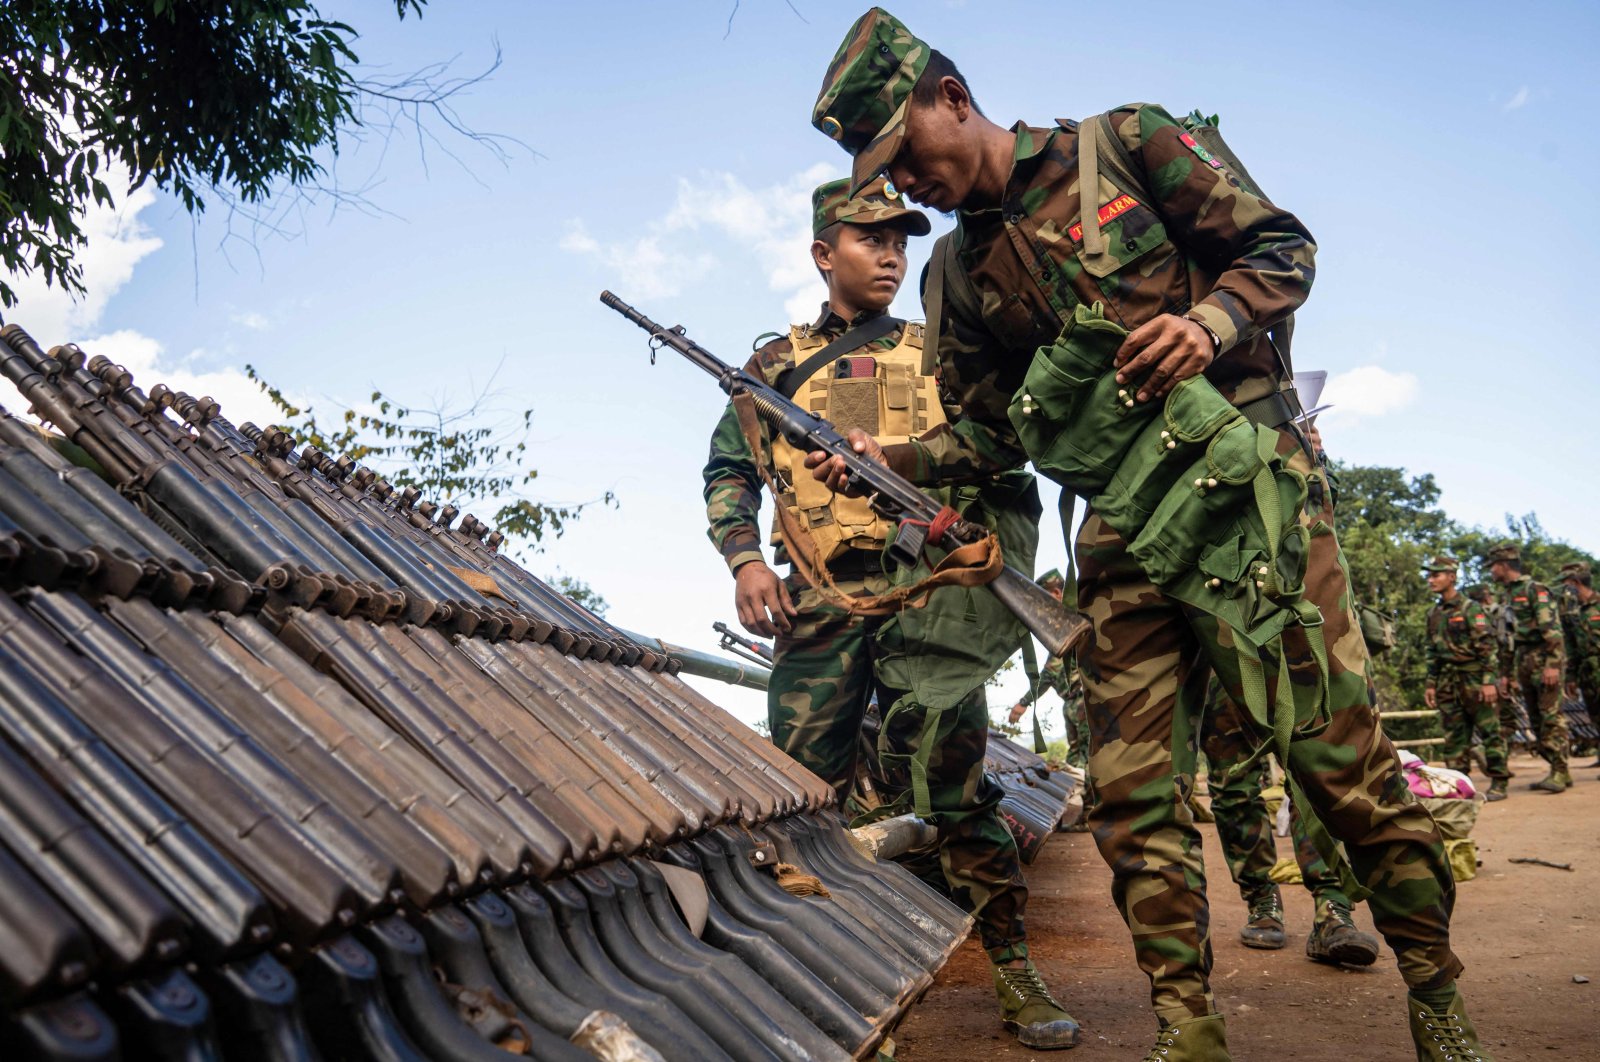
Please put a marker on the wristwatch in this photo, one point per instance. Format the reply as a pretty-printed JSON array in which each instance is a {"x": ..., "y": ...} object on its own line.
[{"x": 1216, "y": 340}]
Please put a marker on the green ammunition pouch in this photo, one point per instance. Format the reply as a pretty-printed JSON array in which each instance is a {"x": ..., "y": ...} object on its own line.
[
  {"x": 940, "y": 653},
  {"x": 1209, "y": 509}
]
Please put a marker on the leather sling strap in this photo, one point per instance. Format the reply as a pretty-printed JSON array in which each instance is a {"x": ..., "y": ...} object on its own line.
[{"x": 854, "y": 339}]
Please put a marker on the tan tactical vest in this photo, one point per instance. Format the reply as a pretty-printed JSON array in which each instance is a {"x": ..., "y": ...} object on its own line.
[{"x": 894, "y": 404}]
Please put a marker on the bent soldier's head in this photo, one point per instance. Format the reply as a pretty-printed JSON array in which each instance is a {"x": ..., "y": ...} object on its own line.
[
  {"x": 859, "y": 243},
  {"x": 901, "y": 107}
]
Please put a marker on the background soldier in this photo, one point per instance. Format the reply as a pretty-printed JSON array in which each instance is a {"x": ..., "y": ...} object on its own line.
[
  {"x": 926, "y": 666},
  {"x": 1462, "y": 651},
  {"x": 1162, "y": 248},
  {"x": 1244, "y": 826},
  {"x": 1540, "y": 655},
  {"x": 1582, "y": 628}
]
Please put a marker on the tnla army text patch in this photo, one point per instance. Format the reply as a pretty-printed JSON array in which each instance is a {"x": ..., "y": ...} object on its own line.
[
  {"x": 1205, "y": 156},
  {"x": 1114, "y": 209}
]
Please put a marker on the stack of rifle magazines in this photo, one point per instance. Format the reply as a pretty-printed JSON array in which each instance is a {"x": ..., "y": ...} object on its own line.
[{"x": 292, "y": 768}]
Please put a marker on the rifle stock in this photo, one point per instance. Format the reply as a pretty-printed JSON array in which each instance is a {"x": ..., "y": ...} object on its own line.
[{"x": 891, "y": 494}]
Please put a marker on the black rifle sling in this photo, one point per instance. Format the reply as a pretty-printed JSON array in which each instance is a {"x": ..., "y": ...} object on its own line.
[{"x": 854, "y": 339}]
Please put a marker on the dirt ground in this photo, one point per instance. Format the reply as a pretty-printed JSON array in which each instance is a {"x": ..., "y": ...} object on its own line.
[{"x": 1523, "y": 932}]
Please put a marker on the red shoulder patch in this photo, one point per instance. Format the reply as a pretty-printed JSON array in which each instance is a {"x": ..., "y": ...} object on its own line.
[{"x": 1114, "y": 209}]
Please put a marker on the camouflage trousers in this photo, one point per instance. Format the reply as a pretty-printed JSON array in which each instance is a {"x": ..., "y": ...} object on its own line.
[
  {"x": 1462, "y": 711},
  {"x": 1543, "y": 705},
  {"x": 1146, "y": 672},
  {"x": 1244, "y": 824},
  {"x": 822, "y": 681}
]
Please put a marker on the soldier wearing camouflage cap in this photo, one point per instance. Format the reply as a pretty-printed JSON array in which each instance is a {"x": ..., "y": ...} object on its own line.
[
  {"x": 1581, "y": 624},
  {"x": 1462, "y": 681},
  {"x": 1540, "y": 657},
  {"x": 1192, "y": 289},
  {"x": 859, "y": 367}
]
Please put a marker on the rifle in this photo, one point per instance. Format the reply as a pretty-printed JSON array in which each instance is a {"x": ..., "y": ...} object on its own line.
[
  {"x": 890, "y": 494},
  {"x": 739, "y": 645}
]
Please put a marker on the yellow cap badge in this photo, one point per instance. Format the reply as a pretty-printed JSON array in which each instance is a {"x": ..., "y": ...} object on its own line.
[
  {"x": 890, "y": 191},
  {"x": 830, "y": 125}
]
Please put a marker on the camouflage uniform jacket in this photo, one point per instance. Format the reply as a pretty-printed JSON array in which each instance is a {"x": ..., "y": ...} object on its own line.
[
  {"x": 1059, "y": 675},
  {"x": 1461, "y": 640},
  {"x": 1191, "y": 240},
  {"x": 1582, "y": 627},
  {"x": 1537, "y": 628},
  {"x": 732, "y": 482}
]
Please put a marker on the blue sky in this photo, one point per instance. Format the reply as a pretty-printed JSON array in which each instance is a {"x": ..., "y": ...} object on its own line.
[{"x": 1430, "y": 147}]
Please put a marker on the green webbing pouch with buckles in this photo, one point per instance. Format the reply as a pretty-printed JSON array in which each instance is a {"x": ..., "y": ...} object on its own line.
[{"x": 1209, "y": 509}]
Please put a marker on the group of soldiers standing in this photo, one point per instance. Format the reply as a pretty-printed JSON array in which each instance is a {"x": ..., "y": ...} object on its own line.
[
  {"x": 1106, "y": 281},
  {"x": 1487, "y": 656}
]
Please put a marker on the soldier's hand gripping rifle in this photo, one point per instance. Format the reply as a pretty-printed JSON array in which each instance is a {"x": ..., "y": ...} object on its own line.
[{"x": 916, "y": 514}]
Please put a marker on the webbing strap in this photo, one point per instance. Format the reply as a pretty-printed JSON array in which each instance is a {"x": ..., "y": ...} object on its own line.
[
  {"x": 1094, "y": 241},
  {"x": 921, "y": 804}
]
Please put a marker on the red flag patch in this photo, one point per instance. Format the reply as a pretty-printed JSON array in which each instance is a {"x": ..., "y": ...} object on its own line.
[
  {"x": 1114, "y": 209},
  {"x": 1205, "y": 156}
]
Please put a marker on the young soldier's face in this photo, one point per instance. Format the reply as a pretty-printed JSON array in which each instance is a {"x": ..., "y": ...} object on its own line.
[
  {"x": 1439, "y": 582},
  {"x": 868, "y": 266}
]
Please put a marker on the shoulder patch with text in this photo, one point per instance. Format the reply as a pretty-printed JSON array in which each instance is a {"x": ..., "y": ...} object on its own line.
[{"x": 1114, "y": 209}]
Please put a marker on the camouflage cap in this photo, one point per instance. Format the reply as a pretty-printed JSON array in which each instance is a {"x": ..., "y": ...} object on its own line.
[
  {"x": 1503, "y": 551},
  {"x": 878, "y": 204},
  {"x": 1575, "y": 570},
  {"x": 1051, "y": 577},
  {"x": 1477, "y": 591},
  {"x": 867, "y": 89},
  {"x": 1442, "y": 563}
]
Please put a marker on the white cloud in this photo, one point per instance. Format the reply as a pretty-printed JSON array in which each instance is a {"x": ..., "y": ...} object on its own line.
[
  {"x": 117, "y": 242},
  {"x": 1518, "y": 99},
  {"x": 1368, "y": 391},
  {"x": 772, "y": 224},
  {"x": 254, "y": 321}
]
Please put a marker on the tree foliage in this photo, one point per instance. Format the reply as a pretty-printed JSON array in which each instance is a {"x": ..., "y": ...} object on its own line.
[
  {"x": 453, "y": 454},
  {"x": 234, "y": 97}
]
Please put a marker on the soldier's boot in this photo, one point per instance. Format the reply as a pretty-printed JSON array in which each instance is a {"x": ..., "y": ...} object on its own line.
[
  {"x": 1444, "y": 1033},
  {"x": 1192, "y": 1040},
  {"x": 1497, "y": 790},
  {"x": 1029, "y": 1011},
  {"x": 1335, "y": 939},
  {"x": 1265, "y": 928},
  {"x": 1552, "y": 782}
]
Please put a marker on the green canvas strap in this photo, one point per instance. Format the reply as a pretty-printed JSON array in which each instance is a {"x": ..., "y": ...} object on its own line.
[{"x": 921, "y": 804}]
